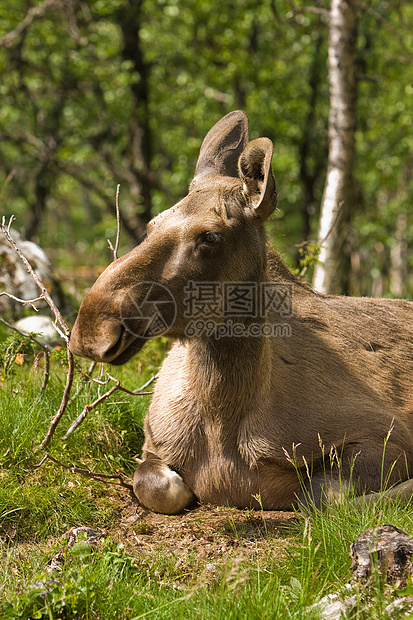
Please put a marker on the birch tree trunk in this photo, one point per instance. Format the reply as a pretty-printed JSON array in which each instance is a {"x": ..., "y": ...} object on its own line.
[{"x": 338, "y": 191}]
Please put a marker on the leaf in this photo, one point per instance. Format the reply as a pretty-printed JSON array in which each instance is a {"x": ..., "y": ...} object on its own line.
[
  {"x": 19, "y": 359},
  {"x": 295, "y": 586},
  {"x": 81, "y": 549}
]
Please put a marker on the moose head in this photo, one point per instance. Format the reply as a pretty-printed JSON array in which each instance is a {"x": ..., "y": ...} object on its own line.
[{"x": 214, "y": 234}]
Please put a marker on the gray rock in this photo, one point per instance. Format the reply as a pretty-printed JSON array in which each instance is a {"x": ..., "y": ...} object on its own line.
[
  {"x": 388, "y": 550},
  {"x": 15, "y": 279},
  {"x": 334, "y": 606},
  {"x": 401, "y": 608}
]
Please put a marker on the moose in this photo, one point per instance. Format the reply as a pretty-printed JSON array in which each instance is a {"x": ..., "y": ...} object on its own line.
[{"x": 265, "y": 376}]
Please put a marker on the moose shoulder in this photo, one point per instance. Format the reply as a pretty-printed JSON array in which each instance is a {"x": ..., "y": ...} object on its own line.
[{"x": 262, "y": 364}]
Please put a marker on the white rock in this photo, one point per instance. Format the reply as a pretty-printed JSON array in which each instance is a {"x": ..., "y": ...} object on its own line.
[
  {"x": 334, "y": 607},
  {"x": 42, "y": 325},
  {"x": 14, "y": 277}
]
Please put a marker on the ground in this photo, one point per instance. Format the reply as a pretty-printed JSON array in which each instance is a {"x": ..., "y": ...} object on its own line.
[{"x": 210, "y": 535}]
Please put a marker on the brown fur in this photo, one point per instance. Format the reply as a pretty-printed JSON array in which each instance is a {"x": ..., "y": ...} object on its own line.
[{"x": 225, "y": 410}]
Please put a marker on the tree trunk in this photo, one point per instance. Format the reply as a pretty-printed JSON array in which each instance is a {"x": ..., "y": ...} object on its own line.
[
  {"x": 329, "y": 274},
  {"x": 398, "y": 258},
  {"x": 310, "y": 173},
  {"x": 140, "y": 147}
]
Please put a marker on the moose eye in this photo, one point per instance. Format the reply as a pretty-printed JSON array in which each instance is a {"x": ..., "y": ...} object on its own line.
[{"x": 211, "y": 238}]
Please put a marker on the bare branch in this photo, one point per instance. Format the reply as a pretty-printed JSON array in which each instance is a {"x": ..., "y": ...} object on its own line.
[
  {"x": 61, "y": 325},
  {"x": 115, "y": 249},
  {"x": 33, "y": 13},
  {"x": 24, "y": 302},
  {"x": 82, "y": 384},
  {"x": 65, "y": 399},
  {"x": 46, "y": 372},
  {"x": 122, "y": 389},
  {"x": 11, "y": 220},
  {"x": 137, "y": 392},
  {"x": 60, "y": 322},
  {"x": 308, "y": 9},
  {"x": 87, "y": 408},
  {"x": 44, "y": 292},
  {"x": 106, "y": 478}
]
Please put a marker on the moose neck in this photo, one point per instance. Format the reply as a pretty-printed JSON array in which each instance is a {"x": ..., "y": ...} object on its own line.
[
  {"x": 228, "y": 372},
  {"x": 232, "y": 365}
]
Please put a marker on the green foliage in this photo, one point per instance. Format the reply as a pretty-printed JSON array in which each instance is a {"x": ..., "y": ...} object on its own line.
[
  {"x": 308, "y": 254},
  {"x": 83, "y": 109},
  {"x": 13, "y": 351},
  {"x": 112, "y": 580},
  {"x": 80, "y": 588},
  {"x": 107, "y": 442}
]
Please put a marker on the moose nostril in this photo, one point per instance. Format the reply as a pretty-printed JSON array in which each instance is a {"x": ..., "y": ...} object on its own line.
[
  {"x": 101, "y": 344},
  {"x": 115, "y": 349}
]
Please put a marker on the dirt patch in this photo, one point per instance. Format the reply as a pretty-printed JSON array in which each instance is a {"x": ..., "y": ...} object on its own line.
[{"x": 210, "y": 534}]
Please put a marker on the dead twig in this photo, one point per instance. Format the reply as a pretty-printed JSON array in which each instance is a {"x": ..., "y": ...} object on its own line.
[
  {"x": 64, "y": 331},
  {"x": 65, "y": 399},
  {"x": 59, "y": 324},
  {"x": 106, "y": 478},
  {"x": 87, "y": 408},
  {"x": 24, "y": 302},
  {"x": 44, "y": 292},
  {"x": 139, "y": 390},
  {"x": 115, "y": 249},
  {"x": 87, "y": 378}
]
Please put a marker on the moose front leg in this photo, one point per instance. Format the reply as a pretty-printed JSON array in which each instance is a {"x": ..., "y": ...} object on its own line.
[{"x": 159, "y": 488}]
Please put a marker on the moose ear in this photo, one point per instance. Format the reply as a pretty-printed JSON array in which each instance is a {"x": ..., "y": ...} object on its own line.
[
  {"x": 255, "y": 172},
  {"x": 223, "y": 145}
]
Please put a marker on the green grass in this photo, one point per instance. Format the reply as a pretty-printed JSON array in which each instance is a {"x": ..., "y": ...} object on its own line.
[{"x": 252, "y": 570}]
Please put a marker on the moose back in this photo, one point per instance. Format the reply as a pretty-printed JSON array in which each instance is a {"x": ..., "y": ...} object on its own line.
[{"x": 262, "y": 366}]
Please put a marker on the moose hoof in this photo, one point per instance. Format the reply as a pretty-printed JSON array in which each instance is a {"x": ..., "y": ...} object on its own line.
[{"x": 160, "y": 489}]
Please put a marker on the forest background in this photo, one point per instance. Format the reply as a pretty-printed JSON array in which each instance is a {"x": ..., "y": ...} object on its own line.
[{"x": 106, "y": 92}]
